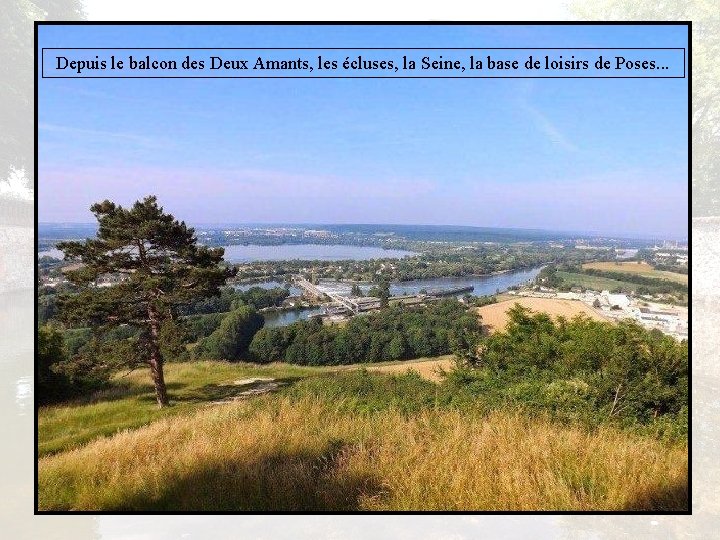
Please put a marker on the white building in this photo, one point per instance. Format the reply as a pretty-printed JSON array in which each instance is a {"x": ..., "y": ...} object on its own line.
[{"x": 620, "y": 300}]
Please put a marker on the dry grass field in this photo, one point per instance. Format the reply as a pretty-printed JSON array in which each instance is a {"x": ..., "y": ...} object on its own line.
[
  {"x": 641, "y": 268},
  {"x": 495, "y": 316},
  {"x": 427, "y": 368},
  {"x": 278, "y": 454}
]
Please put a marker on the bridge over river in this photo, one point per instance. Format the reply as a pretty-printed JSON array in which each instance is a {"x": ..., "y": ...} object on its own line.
[
  {"x": 355, "y": 305},
  {"x": 367, "y": 303}
]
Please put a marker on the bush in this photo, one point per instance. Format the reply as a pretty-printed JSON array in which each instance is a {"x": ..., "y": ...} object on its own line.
[
  {"x": 583, "y": 370},
  {"x": 230, "y": 341},
  {"x": 50, "y": 385},
  {"x": 60, "y": 376},
  {"x": 200, "y": 326}
]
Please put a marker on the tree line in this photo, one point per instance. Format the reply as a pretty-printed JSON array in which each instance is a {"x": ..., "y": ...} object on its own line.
[
  {"x": 393, "y": 333},
  {"x": 627, "y": 282},
  {"x": 650, "y": 284},
  {"x": 431, "y": 261}
]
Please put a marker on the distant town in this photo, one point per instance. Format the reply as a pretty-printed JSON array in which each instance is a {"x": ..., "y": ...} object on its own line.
[{"x": 641, "y": 280}]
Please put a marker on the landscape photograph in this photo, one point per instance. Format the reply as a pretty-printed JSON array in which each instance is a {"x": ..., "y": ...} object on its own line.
[{"x": 362, "y": 294}]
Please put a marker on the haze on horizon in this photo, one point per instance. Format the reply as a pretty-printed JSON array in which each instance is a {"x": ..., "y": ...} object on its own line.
[{"x": 603, "y": 156}]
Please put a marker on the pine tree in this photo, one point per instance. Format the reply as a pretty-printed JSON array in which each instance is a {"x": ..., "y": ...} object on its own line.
[{"x": 158, "y": 267}]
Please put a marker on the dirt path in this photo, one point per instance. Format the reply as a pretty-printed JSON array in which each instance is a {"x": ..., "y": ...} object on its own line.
[{"x": 249, "y": 388}]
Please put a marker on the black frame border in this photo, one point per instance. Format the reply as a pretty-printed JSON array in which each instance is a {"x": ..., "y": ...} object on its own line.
[{"x": 688, "y": 75}]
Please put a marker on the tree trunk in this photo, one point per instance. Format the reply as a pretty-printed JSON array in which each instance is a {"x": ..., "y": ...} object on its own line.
[
  {"x": 156, "y": 370},
  {"x": 156, "y": 360}
]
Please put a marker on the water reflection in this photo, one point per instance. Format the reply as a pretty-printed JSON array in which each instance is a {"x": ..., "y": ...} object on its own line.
[
  {"x": 283, "y": 318},
  {"x": 16, "y": 417},
  {"x": 482, "y": 285}
]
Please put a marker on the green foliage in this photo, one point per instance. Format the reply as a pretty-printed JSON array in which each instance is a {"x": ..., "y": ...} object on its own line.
[
  {"x": 157, "y": 257},
  {"x": 50, "y": 385},
  {"x": 46, "y": 308},
  {"x": 230, "y": 341},
  {"x": 219, "y": 303},
  {"x": 76, "y": 338},
  {"x": 260, "y": 298},
  {"x": 173, "y": 337},
  {"x": 200, "y": 326},
  {"x": 548, "y": 277},
  {"x": 392, "y": 333},
  {"x": 583, "y": 370},
  {"x": 480, "y": 301},
  {"x": 381, "y": 291},
  {"x": 362, "y": 391},
  {"x": 59, "y": 376},
  {"x": 230, "y": 298},
  {"x": 676, "y": 268},
  {"x": 157, "y": 266}
]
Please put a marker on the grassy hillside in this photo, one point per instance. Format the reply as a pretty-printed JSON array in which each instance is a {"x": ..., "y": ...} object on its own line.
[
  {"x": 130, "y": 402},
  {"x": 305, "y": 453},
  {"x": 571, "y": 414}
]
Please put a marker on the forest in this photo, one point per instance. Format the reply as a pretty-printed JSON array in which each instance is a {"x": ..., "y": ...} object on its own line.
[{"x": 393, "y": 333}]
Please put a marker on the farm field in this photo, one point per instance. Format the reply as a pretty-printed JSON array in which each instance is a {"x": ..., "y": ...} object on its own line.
[
  {"x": 494, "y": 316},
  {"x": 641, "y": 268},
  {"x": 596, "y": 283}
]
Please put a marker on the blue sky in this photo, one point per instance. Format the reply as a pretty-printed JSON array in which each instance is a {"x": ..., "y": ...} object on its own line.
[{"x": 608, "y": 156}]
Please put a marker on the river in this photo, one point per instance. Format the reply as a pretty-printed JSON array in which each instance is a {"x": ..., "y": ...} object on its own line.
[
  {"x": 281, "y": 318},
  {"x": 483, "y": 286}
]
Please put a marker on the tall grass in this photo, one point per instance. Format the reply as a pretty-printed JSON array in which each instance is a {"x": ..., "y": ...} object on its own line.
[
  {"x": 130, "y": 400},
  {"x": 306, "y": 453}
]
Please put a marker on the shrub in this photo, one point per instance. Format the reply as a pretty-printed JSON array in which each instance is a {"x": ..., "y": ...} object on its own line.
[
  {"x": 60, "y": 376},
  {"x": 230, "y": 341}
]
